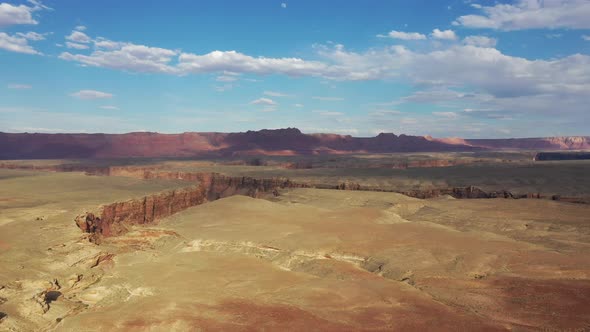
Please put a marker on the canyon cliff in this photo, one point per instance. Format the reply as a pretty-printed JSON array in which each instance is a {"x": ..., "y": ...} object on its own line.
[{"x": 116, "y": 218}]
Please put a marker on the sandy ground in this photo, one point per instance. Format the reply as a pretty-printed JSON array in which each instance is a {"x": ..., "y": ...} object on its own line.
[{"x": 313, "y": 260}]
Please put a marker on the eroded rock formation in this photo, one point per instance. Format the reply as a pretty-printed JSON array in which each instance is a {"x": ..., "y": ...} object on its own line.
[{"x": 116, "y": 218}]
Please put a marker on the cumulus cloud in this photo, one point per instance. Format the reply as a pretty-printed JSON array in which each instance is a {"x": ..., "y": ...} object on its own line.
[
  {"x": 264, "y": 101},
  {"x": 586, "y": 37},
  {"x": 76, "y": 46},
  {"x": 404, "y": 35},
  {"x": 79, "y": 37},
  {"x": 16, "y": 44},
  {"x": 128, "y": 57},
  {"x": 104, "y": 43},
  {"x": 530, "y": 14},
  {"x": 481, "y": 41},
  {"x": 34, "y": 36},
  {"x": 91, "y": 94},
  {"x": 474, "y": 65},
  {"x": 21, "y": 14},
  {"x": 80, "y": 28},
  {"x": 445, "y": 35},
  {"x": 237, "y": 62}
]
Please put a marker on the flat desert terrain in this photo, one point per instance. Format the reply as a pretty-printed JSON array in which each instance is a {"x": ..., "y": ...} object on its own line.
[{"x": 289, "y": 259}]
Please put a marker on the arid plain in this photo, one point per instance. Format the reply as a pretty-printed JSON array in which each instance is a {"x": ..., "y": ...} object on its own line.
[{"x": 429, "y": 241}]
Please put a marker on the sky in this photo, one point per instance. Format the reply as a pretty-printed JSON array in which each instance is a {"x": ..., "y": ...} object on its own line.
[{"x": 454, "y": 68}]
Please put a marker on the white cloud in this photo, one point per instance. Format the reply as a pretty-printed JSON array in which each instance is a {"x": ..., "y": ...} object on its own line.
[
  {"x": 264, "y": 101},
  {"x": 446, "y": 34},
  {"x": 76, "y": 46},
  {"x": 586, "y": 37},
  {"x": 480, "y": 41},
  {"x": 16, "y": 44},
  {"x": 128, "y": 57},
  {"x": 284, "y": 5},
  {"x": 404, "y": 35},
  {"x": 298, "y": 105},
  {"x": 228, "y": 77},
  {"x": 19, "y": 86},
  {"x": 79, "y": 37},
  {"x": 110, "y": 107},
  {"x": 531, "y": 14},
  {"x": 438, "y": 96},
  {"x": 328, "y": 98},
  {"x": 450, "y": 115},
  {"x": 140, "y": 58},
  {"x": 91, "y": 94},
  {"x": 276, "y": 94},
  {"x": 104, "y": 43},
  {"x": 498, "y": 80},
  {"x": 237, "y": 62},
  {"x": 21, "y": 14},
  {"x": 31, "y": 35},
  {"x": 80, "y": 28}
]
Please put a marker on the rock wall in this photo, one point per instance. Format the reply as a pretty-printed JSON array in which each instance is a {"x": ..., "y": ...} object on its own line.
[{"x": 116, "y": 218}]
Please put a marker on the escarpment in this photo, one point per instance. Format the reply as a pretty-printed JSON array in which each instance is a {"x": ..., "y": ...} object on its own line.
[{"x": 116, "y": 218}]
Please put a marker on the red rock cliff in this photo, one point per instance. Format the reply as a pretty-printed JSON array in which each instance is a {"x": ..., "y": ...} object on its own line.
[{"x": 116, "y": 218}]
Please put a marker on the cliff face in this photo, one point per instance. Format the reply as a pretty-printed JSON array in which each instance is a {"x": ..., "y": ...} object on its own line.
[{"x": 116, "y": 218}]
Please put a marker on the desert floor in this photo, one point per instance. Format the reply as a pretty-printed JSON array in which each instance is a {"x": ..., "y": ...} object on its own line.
[{"x": 307, "y": 259}]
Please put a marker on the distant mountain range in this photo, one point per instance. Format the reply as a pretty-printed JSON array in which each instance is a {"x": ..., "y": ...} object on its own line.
[{"x": 290, "y": 141}]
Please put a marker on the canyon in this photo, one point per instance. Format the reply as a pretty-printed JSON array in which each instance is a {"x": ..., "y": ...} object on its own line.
[
  {"x": 271, "y": 230},
  {"x": 139, "y": 248}
]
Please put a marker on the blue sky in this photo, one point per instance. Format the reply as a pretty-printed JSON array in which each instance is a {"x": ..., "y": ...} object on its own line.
[{"x": 442, "y": 68}]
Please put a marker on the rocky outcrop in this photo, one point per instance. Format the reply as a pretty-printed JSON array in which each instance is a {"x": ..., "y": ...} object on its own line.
[{"x": 116, "y": 218}]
